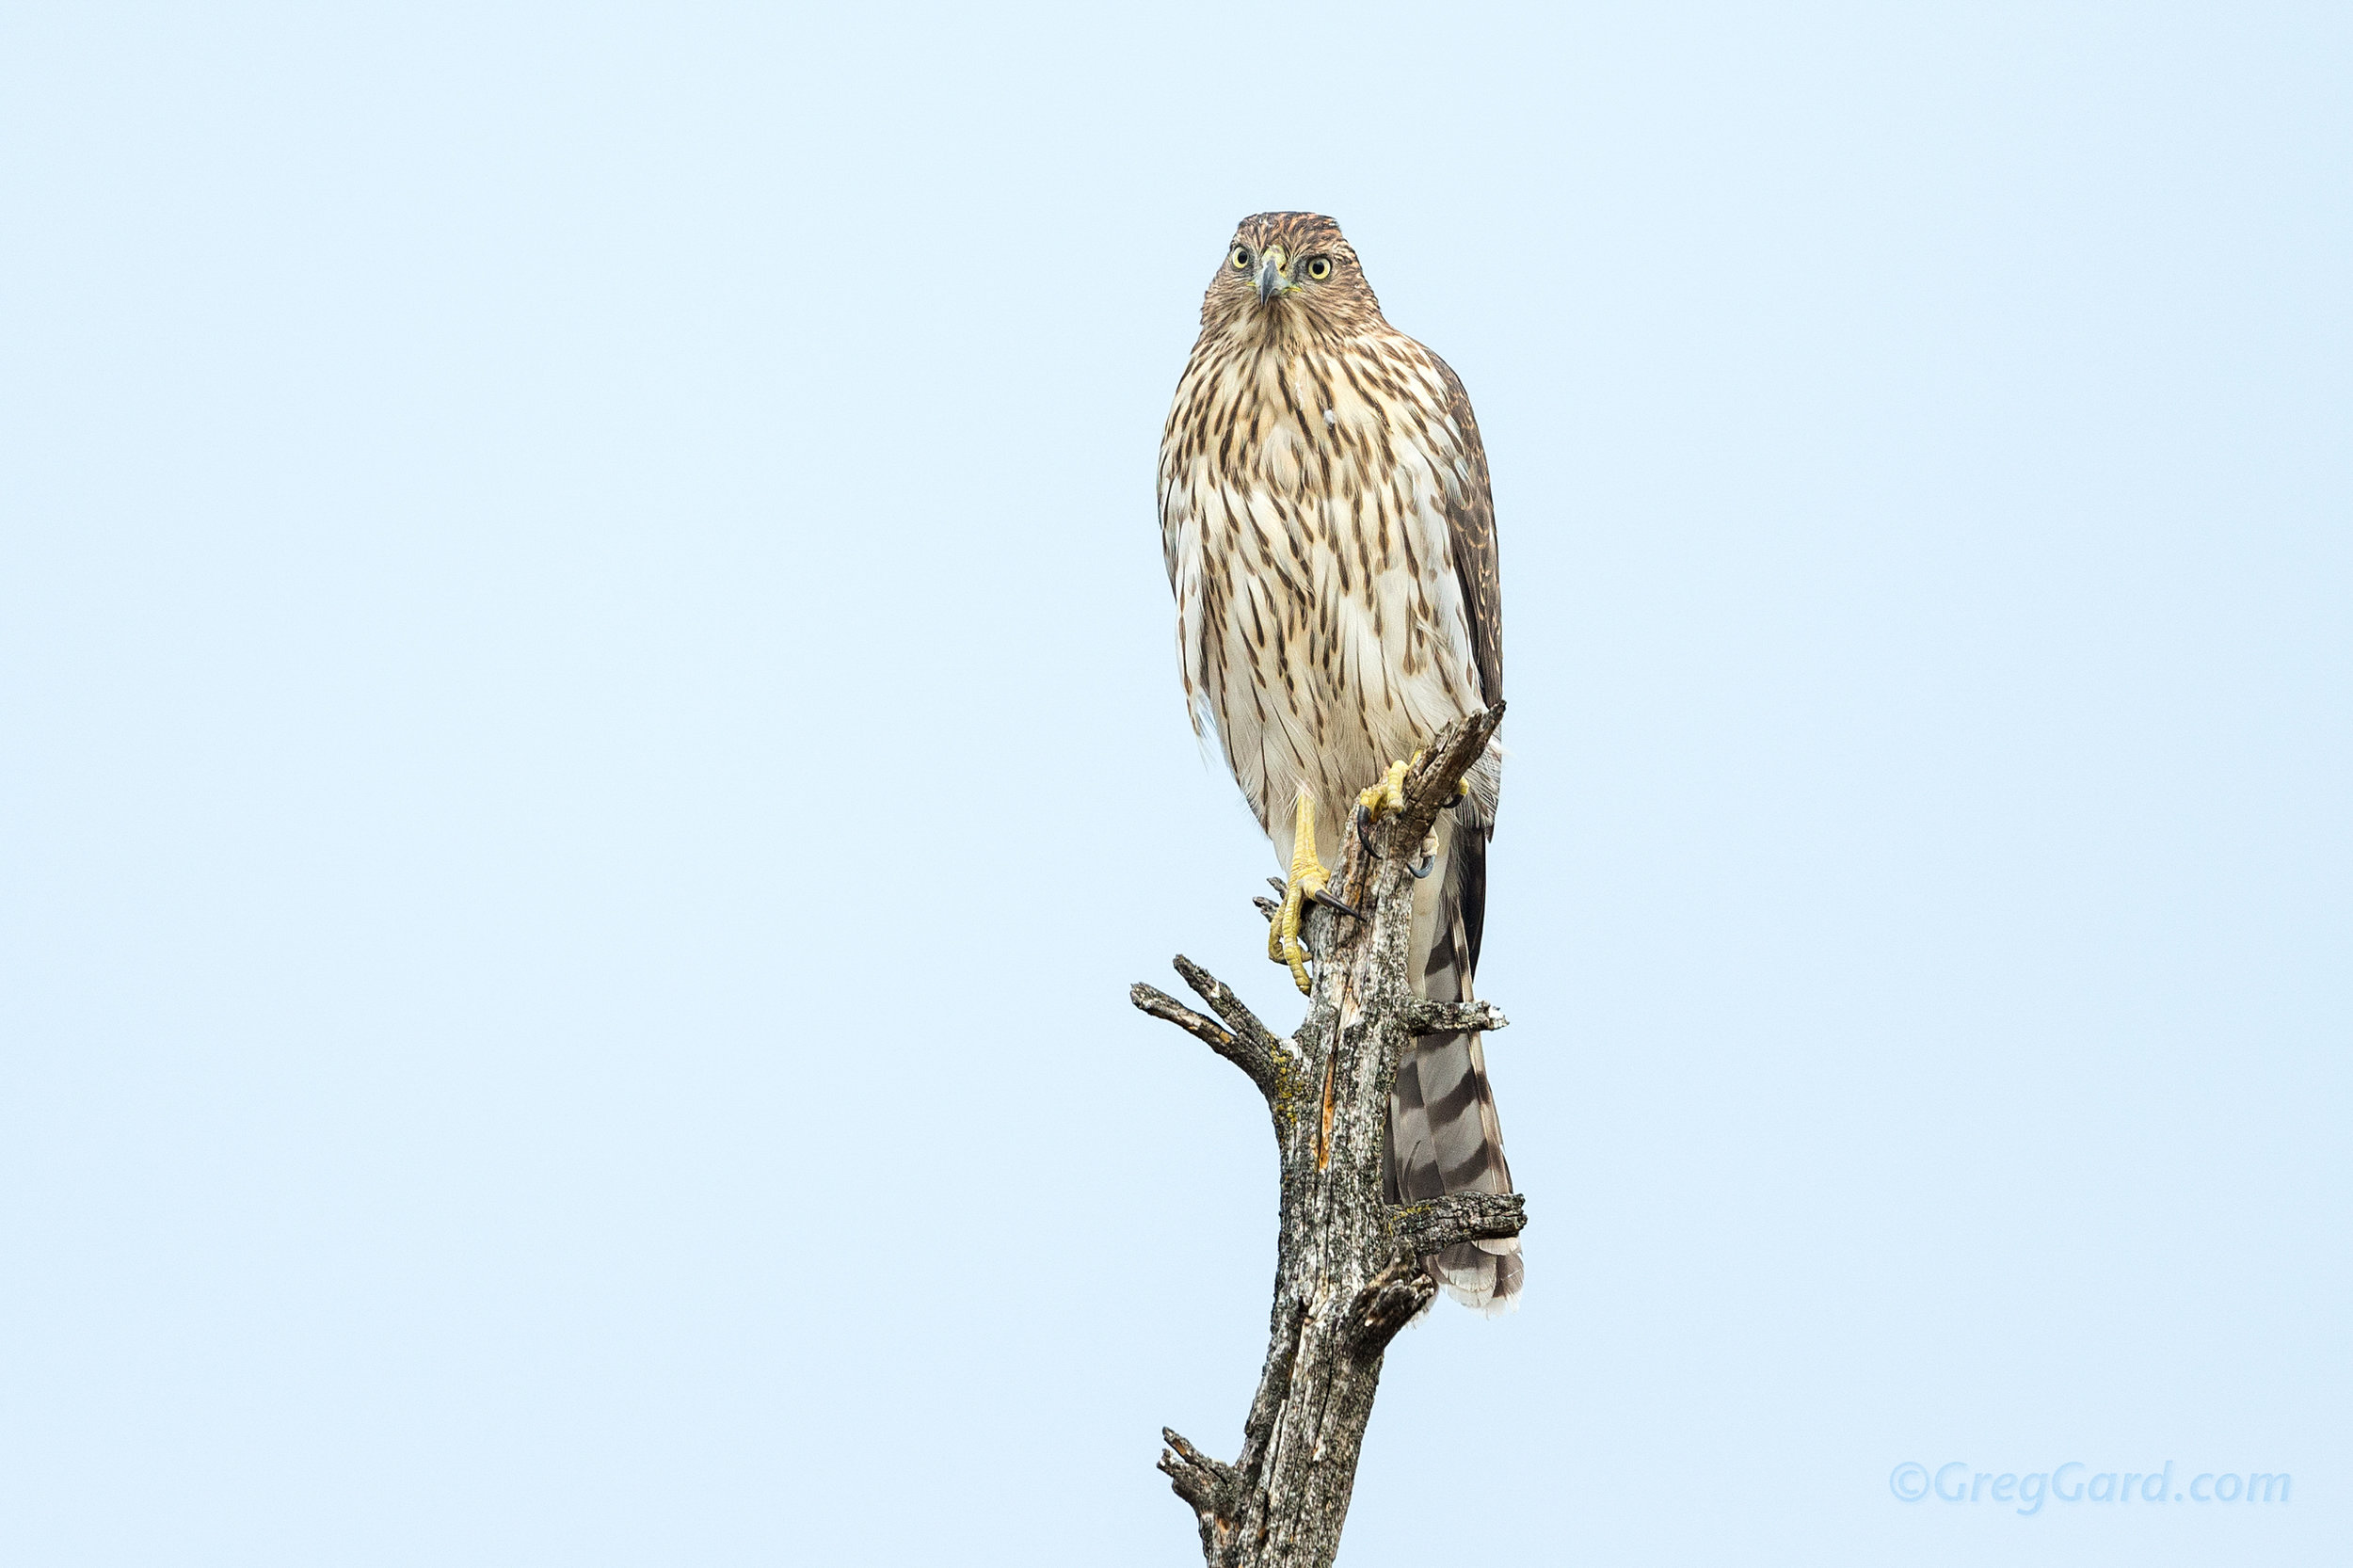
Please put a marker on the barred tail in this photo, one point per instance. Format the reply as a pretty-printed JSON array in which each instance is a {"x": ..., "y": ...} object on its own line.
[{"x": 1443, "y": 1134}]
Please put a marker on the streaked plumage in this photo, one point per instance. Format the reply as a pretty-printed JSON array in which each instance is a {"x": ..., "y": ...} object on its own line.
[{"x": 1329, "y": 535}]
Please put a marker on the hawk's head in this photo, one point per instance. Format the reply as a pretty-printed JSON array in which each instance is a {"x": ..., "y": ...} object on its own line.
[{"x": 1287, "y": 272}]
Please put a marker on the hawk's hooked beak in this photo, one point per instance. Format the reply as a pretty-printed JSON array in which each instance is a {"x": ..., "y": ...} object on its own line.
[{"x": 1270, "y": 278}]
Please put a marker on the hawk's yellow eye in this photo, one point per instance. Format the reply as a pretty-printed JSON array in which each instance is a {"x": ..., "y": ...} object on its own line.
[
  {"x": 1242, "y": 257},
  {"x": 1320, "y": 267}
]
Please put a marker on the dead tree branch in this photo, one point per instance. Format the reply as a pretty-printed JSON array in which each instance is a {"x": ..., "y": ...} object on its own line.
[
  {"x": 1348, "y": 1275},
  {"x": 1437, "y": 1018},
  {"x": 1423, "y": 1229}
]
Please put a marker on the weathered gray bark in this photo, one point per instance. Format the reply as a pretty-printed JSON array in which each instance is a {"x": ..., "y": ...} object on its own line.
[{"x": 1347, "y": 1275}]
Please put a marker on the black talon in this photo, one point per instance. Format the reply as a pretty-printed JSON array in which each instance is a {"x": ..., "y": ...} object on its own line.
[
  {"x": 1427, "y": 864},
  {"x": 1362, "y": 819},
  {"x": 1332, "y": 901}
]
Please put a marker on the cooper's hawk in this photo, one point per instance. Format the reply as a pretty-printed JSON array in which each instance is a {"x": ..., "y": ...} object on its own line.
[{"x": 1331, "y": 541}]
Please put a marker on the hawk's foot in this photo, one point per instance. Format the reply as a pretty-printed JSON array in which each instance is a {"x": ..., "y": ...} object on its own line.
[
  {"x": 1306, "y": 881},
  {"x": 1389, "y": 796}
]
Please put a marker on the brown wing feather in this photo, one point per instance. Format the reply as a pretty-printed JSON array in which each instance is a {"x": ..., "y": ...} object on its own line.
[
  {"x": 1471, "y": 526},
  {"x": 1471, "y": 515}
]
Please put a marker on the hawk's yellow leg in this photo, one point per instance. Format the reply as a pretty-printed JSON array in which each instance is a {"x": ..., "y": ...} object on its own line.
[{"x": 1306, "y": 880}]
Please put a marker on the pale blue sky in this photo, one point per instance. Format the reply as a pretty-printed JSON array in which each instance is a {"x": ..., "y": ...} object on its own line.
[{"x": 582, "y": 641}]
